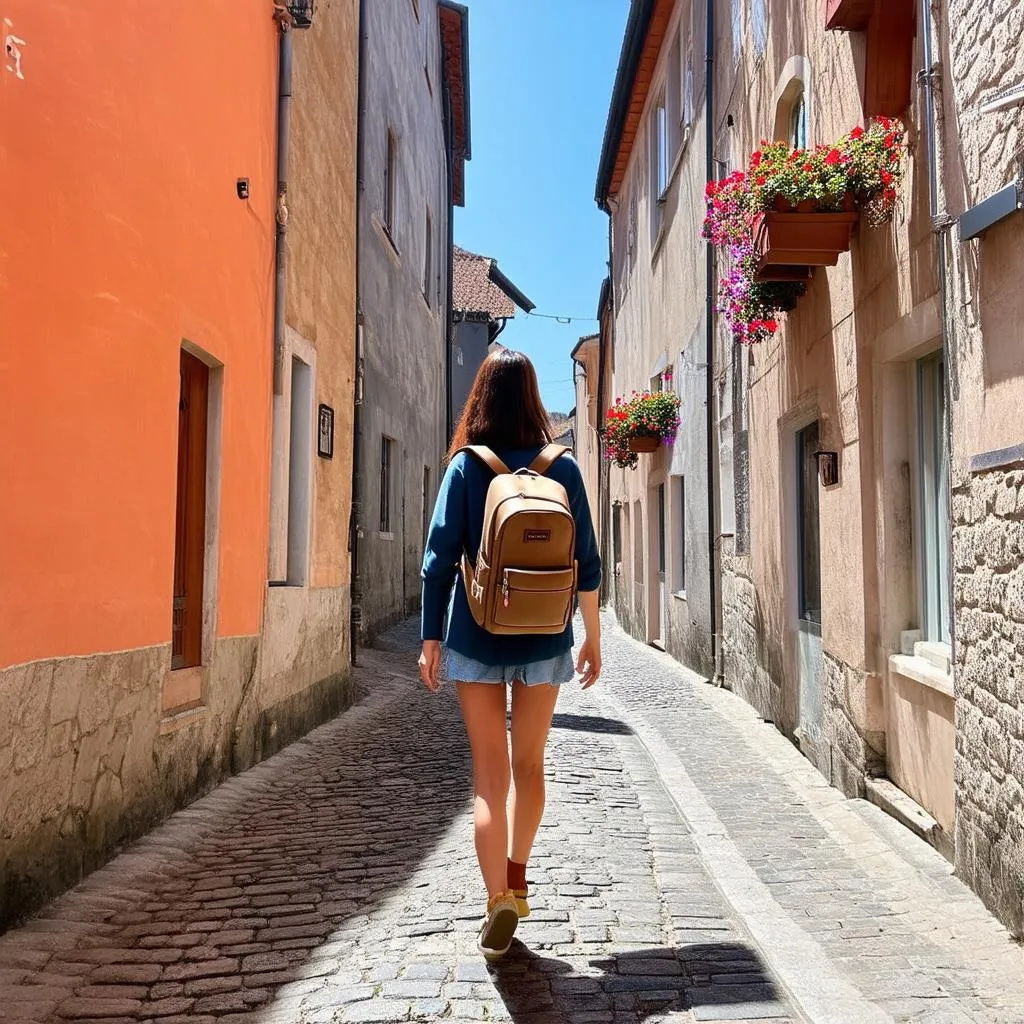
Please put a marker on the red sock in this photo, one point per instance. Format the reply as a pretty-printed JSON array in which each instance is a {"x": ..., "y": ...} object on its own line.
[{"x": 516, "y": 875}]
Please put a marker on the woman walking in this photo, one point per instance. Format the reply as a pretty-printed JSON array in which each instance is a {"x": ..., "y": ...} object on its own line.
[{"x": 504, "y": 412}]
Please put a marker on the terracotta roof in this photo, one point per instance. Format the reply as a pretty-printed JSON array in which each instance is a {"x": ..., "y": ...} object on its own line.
[
  {"x": 479, "y": 287},
  {"x": 646, "y": 28},
  {"x": 454, "y": 19}
]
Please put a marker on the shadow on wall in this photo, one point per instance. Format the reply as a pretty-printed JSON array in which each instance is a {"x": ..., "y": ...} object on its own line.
[{"x": 644, "y": 983}]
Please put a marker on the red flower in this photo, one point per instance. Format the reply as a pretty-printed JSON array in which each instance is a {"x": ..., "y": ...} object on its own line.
[
  {"x": 886, "y": 178},
  {"x": 857, "y": 133},
  {"x": 772, "y": 325},
  {"x": 808, "y": 167},
  {"x": 890, "y": 140},
  {"x": 761, "y": 180},
  {"x": 833, "y": 158},
  {"x": 889, "y": 195},
  {"x": 755, "y": 160}
]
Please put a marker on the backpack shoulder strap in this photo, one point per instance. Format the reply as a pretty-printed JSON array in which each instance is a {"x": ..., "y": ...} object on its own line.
[
  {"x": 548, "y": 456},
  {"x": 487, "y": 457}
]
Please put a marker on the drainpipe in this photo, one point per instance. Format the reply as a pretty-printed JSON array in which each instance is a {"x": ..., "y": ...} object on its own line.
[
  {"x": 603, "y": 497},
  {"x": 449, "y": 328},
  {"x": 355, "y": 614},
  {"x": 284, "y": 109},
  {"x": 941, "y": 223},
  {"x": 709, "y": 357}
]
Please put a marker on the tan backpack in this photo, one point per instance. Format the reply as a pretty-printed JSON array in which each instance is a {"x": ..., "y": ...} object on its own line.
[{"x": 524, "y": 580}]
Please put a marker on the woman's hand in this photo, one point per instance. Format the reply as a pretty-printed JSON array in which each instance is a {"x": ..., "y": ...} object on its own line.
[
  {"x": 588, "y": 664},
  {"x": 430, "y": 665}
]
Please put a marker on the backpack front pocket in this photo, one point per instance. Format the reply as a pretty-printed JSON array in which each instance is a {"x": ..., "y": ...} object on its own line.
[{"x": 534, "y": 600}]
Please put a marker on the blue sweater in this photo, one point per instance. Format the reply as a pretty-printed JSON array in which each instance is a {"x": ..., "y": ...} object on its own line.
[{"x": 457, "y": 526}]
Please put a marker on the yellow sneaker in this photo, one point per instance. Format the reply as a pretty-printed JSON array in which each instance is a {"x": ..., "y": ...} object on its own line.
[
  {"x": 522, "y": 895},
  {"x": 499, "y": 926}
]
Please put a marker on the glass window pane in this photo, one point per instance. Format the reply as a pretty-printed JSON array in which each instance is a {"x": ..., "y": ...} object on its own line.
[{"x": 808, "y": 525}]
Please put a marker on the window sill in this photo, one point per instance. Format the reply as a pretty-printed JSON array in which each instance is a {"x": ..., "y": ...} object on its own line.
[
  {"x": 658, "y": 242},
  {"x": 388, "y": 242},
  {"x": 182, "y": 688},
  {"x": 921, "y": 670},
  {"x": 381, "y": 535},
  {"x": 679, "y": 595},
  {"x": 180, "y": 718}
]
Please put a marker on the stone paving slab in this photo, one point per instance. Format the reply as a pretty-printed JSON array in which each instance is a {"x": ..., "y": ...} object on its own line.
[
  {"x": 336, "y": 883},
  {"x": 882, "y": 909},
  {"x": 692, "y": 867}
]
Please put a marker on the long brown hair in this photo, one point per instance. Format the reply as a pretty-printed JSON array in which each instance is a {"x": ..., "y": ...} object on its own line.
[{"x": 504, "y": 409}]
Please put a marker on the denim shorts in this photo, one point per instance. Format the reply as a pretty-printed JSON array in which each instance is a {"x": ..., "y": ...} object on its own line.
[{"x": 460, "y": 669}]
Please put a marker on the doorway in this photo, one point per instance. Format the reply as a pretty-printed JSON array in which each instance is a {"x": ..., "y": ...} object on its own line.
[
  {"x": 658, "y": 600},
  {"x": 190, "y": 514},
  {"x": 810, "y": 654}
]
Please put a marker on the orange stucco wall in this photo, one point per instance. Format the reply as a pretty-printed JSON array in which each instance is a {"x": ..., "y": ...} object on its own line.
[{"x": 122, "y": 235}]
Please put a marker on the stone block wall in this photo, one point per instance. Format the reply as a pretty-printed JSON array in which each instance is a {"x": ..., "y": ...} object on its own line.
[
  {"x": 988, "y": 552},
  {"x": 753, "y": 665}
]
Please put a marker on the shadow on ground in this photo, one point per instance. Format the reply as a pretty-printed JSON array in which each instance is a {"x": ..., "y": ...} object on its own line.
[
  {"x": 217, "y": 918},
  {"x": 591, "y": 723},
  {"x": 715, "y": 981}
]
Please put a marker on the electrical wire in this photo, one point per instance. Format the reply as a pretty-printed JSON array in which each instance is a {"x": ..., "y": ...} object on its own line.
[{"x": 562, "y": 319}]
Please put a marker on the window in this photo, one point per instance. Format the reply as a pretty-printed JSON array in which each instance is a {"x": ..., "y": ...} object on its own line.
[
  {"x": 428, "y": 257},
  {"x": 387, "y": 446},
  {"x": 300, "y": 472},
  {"x": 798, "y": 121},
  {"x": 190, "y": 514},
  {"x": 390, "y": 185},
  {"x": 679, "y": 531},
  {"x": 416, "y": 8},
  {"x": 659, "y": 164},
  {"x": 808, "y": 527},
  {"x": 662, "y": 533},
  {"x": 674, "y": 98},
  {"x": 737, "y": 30},
  {"x": 689, "y": 86},
  {"x": 759, "y": 17},
  {"x": 933, "y": 498},
  {"x": 638, "y": 542},
  {"x": 617, "y": 538}
]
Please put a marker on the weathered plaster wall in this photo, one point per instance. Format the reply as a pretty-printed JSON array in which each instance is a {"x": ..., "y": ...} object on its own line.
[
  {"x": 979, "y": 44},
  {"x": 306, "y": 631},
  {"x": 403, "y": 337},
  {"x": 89, "y": 757},
  {"x": 470, "y": 344},
  {"x": 823, "y": 365},
  {"x": 659, "y": 298}
]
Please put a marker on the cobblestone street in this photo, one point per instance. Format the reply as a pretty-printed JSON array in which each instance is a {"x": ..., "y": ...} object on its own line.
[{"x": 692, "y": 867}]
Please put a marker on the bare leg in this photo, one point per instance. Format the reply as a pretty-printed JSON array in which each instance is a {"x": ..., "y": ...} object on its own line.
[
  {"x": 532, "y": 710},
  {"x": 483, "y": 709}
]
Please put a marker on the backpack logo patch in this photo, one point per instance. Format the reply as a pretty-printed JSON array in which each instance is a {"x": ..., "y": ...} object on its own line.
[{"x": 536, "y": 536}]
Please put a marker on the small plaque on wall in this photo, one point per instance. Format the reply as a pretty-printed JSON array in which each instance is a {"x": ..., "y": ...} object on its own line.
[{"x": 325, "y": 433}]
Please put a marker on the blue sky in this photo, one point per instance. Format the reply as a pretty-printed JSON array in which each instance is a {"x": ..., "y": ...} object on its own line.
[{"x": 541, "y": 74}]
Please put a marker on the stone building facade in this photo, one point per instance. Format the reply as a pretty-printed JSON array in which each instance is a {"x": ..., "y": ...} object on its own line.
[
  {"x": 414, "y": 141},
  {"x": 981, "y": 146},
  {"x": 143, "y": 656},
  {"x": 873, "y": 615},
  {"x": 651, "y": 183}
]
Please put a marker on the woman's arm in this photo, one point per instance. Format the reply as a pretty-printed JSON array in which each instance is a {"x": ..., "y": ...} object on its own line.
[
  {"x": 588, "y": 558},
  {"x": 446, "y": 541}
]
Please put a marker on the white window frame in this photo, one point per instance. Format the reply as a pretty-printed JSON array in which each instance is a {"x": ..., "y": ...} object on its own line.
[
  {"x": 389, "y": 213},
  {"x": 428, "y": 256},
  {"x": 660, "y": 163},
  {"x": 932, "y": 494}
]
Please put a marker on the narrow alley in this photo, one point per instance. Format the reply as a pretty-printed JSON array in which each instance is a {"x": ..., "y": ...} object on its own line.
[{"x": 692, "y": 867}]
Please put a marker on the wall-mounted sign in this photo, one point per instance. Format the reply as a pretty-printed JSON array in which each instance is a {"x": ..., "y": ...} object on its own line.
[{"x": 325, "y": 433}]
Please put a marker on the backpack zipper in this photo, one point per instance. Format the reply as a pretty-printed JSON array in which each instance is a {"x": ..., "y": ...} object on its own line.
[{"x": 505, "y": 588}]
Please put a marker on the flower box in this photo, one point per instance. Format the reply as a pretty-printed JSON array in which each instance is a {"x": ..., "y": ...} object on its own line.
[
  {"x": 848, "y": 15},
  {"x": 797, "y": 240},
  {"x": 644, "y": 445}
]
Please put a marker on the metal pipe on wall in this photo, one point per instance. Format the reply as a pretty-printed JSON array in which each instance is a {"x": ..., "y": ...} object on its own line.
[
  {"x": 357, "y": 395},
  {"x": 284, "y": 107},
  {"x": 940, "y": 225},
  {"x": 709, "y": 398}
]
